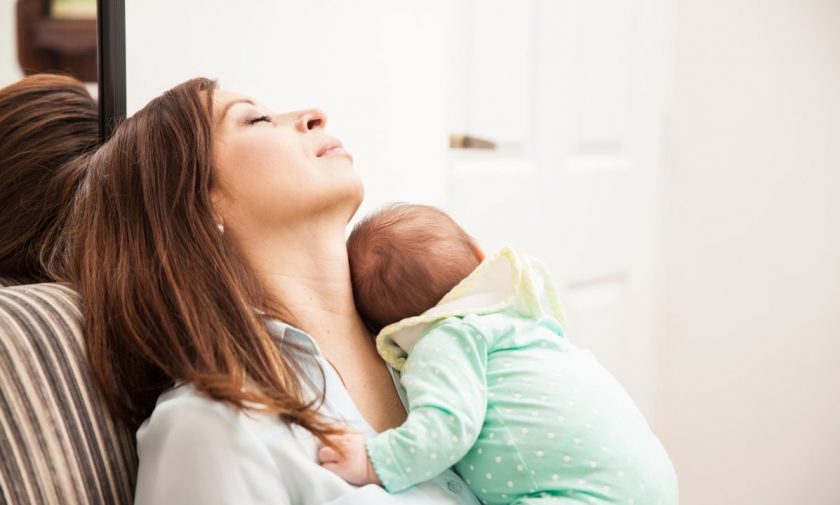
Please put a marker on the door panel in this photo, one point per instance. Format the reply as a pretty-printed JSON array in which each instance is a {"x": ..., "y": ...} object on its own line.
[{"x": 581, "y": 190}]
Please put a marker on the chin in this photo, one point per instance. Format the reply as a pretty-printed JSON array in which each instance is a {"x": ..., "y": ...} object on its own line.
[
  {"x": 340, "y": 197},
  {"x": 357, "y": 194}
]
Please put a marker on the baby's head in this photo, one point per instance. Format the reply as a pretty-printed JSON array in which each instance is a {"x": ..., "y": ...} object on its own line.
[{"x": 404, "y": 258}]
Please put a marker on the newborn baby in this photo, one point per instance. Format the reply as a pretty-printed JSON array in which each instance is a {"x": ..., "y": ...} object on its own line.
[{"x": 493, "y": 385}]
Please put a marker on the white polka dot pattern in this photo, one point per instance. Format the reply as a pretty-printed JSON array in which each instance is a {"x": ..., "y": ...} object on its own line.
[{"x": 524, "y": 415}]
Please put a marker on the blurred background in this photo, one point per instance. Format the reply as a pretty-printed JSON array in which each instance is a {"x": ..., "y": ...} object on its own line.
[{"x": 676, "y": 163}]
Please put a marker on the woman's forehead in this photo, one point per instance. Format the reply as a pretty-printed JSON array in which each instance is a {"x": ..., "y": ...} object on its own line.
[
  {"x": 222, "y": 97},
  {"x": 224, "y": 100}
]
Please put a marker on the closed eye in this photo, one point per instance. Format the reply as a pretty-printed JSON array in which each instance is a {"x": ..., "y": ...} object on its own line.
[{"x": 256, "y": 120}]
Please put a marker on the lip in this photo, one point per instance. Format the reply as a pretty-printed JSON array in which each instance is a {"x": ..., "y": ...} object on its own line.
[{"x": 330, "y": 144}]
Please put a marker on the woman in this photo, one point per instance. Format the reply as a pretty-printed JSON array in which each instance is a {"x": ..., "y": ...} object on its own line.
[
  {"x": 46, "y": 121},
  {"x": 206, "y": 227}
]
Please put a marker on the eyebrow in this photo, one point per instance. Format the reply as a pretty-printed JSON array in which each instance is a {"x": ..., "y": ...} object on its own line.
[{"x": 231, "y": 104}]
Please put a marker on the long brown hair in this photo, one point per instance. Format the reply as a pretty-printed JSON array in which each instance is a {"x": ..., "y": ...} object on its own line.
[
  {"x": 166, "y": 296},
  {"x": 46, "y": 121}
]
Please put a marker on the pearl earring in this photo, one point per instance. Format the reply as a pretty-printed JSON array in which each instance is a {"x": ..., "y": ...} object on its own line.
[{"x": 221, "y": 227}]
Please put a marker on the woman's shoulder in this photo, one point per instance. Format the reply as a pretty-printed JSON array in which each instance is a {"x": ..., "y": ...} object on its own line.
[
  {"x": 194, "y": 449},
  {"x": 185, "y": 413},
  {"x": 185, "y": 398},
  {"x": 191, "y": 416}
]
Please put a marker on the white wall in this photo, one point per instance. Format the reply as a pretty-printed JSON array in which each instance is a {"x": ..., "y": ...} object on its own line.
[
  {"x": 378, "y": 69},
  {"x": 749, "y": 401},
  {"x": 9, "y": 67}
]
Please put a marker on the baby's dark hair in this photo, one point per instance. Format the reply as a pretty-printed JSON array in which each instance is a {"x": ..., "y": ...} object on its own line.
[{"x": 403, "y": 259}]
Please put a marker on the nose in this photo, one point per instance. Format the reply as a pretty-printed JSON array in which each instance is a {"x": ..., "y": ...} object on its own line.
[{"x": 310, "y": 119}]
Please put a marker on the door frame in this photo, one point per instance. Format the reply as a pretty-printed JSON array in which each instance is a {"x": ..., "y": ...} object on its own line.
[{"x": 110, "y": 64}]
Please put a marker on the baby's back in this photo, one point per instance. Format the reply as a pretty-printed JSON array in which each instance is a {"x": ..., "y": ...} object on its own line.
[{"x": 559, "y": 423}]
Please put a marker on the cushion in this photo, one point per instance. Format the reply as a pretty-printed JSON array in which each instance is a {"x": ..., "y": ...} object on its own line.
[
  {"x": 58, "y": 444},
  {"x": 14, "y": 281}
]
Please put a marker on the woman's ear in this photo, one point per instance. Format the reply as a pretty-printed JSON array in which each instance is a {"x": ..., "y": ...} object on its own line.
[{"x": 216, "y": 199}]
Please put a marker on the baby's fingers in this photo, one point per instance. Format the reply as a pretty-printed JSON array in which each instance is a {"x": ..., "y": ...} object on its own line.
[
  {"x": 328, "y": 455},
  {"x": 333, "y": 467}
]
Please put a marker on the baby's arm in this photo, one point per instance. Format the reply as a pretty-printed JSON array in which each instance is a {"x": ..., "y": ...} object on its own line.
[
  {"x": 445, "y": 382},
  {"x": 444, "y": 378}
]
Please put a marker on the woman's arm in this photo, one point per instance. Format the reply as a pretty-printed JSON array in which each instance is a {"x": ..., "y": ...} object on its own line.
[{"x": 195, "y": 450}]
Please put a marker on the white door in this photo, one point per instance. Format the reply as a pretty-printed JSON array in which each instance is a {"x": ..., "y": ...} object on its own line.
[{"x": 572, "y": 91}]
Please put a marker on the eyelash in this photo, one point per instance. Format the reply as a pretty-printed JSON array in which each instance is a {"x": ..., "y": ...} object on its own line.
[{"x": 256, "y": 120}]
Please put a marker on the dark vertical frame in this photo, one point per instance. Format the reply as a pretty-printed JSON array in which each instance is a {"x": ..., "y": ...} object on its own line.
[{"x": 110, "y": 24}]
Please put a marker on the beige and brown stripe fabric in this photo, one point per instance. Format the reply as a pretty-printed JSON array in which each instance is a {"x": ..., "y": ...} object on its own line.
[
  {"x": 14, "y": 281},
  {"x": 57, "y": 442}
]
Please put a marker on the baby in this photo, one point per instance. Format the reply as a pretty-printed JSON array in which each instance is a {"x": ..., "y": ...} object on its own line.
[{"x": 493, "y": 385}]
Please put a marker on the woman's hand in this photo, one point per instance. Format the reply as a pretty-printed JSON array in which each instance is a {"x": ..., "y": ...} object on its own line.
[{"x": 351, "y": 463}]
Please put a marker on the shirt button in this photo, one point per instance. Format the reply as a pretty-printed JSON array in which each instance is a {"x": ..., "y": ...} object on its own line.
[{"x": 455, "y": 486}]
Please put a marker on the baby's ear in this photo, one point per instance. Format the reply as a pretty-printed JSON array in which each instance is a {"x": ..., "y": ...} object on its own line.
[{"x": 477, "y": 250}]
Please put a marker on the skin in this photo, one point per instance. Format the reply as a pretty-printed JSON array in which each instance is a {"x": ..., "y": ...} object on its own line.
[
  {"x": 352, "y": 463},
  {"x": 286, "y": 208}
]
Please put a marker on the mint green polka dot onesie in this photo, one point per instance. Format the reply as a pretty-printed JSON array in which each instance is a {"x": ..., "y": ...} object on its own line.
[{"x": 495, "y": 389}]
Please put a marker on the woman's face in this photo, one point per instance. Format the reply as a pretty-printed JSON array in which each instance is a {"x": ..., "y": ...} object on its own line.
[{"x": 278, "y": 170}]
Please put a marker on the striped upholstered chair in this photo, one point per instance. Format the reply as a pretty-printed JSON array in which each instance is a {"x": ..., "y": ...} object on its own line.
[{"x": 57, "y": 442}]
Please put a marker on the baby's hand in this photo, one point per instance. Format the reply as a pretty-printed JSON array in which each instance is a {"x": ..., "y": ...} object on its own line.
[{"x": 354, "y": 465}]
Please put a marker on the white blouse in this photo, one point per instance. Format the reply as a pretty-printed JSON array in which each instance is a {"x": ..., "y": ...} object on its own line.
[{"x": 194, "y": 449}]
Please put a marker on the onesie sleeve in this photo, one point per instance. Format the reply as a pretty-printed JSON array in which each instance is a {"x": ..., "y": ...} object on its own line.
[{"x": 446, "y": 388}]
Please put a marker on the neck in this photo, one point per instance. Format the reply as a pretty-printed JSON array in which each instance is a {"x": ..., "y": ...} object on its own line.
[{"x": 306, "y": 269}]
